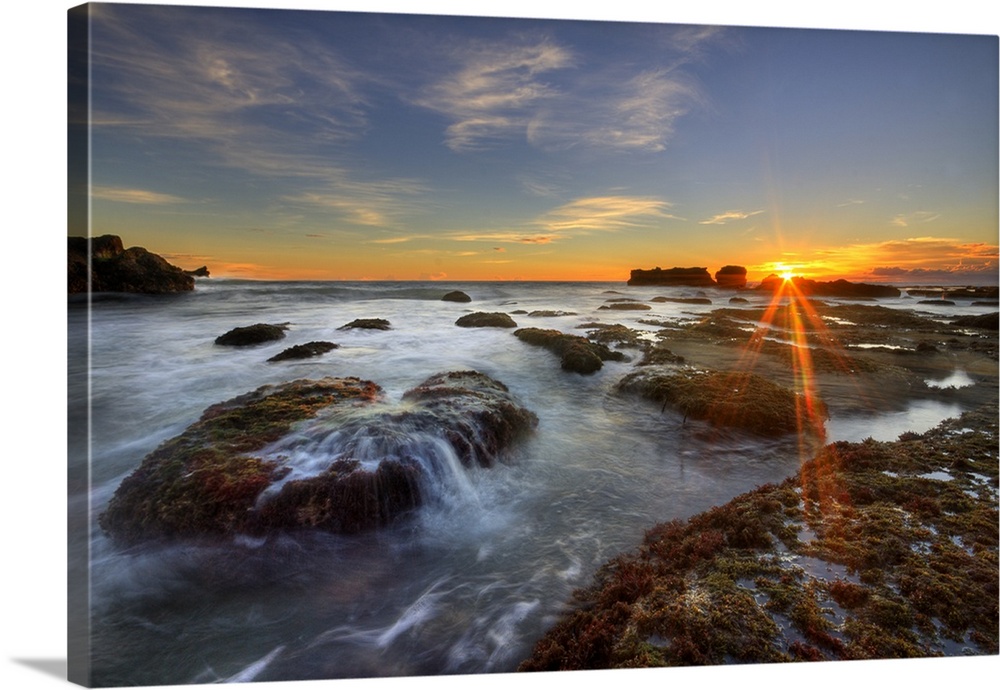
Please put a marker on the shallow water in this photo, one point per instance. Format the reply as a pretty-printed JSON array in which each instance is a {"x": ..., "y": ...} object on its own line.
[{"x": 470, "y": 582}]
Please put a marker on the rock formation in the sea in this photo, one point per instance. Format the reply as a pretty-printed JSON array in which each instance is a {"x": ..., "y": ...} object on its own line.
[
  {"x": 835, "y": 288},
  {"x": 199, "y": 272},
  {"x": 116, "y": 269},
  {"x": 731, "y": 277},
  {"x": 223, "y": 476},
  {"x": 682, "y": 300},
  {"x": 258, "y": 333},
  {"x": 486, "y": 320},
  {"x": 368, "y": 324},
  {"x": 989, "y": 322},
  {"x": 677, "y": 276},
  {"x": 314, "y": 348},
  {"x": 576, "y": 353},
  {"x": 736, "y": 399},
  {"x": 456, "y": 296}
]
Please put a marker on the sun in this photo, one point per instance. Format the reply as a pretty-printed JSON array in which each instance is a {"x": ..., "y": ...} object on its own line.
[{"x": 786, "y": 275}]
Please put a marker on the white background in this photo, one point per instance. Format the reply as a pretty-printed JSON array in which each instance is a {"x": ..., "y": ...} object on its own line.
[{"x": 32, "y": 404}]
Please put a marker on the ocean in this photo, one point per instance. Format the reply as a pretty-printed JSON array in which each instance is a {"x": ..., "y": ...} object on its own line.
[{"x": 473, "y": 579}]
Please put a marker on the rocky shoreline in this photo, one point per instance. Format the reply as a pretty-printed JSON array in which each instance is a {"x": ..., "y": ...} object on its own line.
[
  {"x": 103, "y": 264},
  {"x": 871, "y": 551},
  {"x": 907, "y": 528}
]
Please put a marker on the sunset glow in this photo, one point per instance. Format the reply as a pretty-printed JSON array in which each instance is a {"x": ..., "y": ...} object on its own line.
[{"x": 506, "y": 149}]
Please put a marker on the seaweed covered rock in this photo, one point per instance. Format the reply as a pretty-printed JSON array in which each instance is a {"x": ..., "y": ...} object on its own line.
[
  {"x": 328, "y": 454},
  {"x": 872, "y": 550},
  {"x": 112, "y": 268},
  {"x": 577, "y": 354},
  {"x": 989, "y": 322},
  {"x": 734, "y": 399},
  {"x": 486, "y": 320},
  {"x": 314, "y": 348},
  {"x": 207, "y": 480},
  {"x": 256, "y": 334},
  {"x": 477, "y": 414}
]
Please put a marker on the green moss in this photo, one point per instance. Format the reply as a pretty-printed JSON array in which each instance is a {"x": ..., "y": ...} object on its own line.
[
  {"x": 918, "y": 575},
  {"x": 733, "y": 399}
]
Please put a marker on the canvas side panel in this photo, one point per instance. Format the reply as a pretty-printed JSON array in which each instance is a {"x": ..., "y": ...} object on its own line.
[{"x": 78, "y": 354}]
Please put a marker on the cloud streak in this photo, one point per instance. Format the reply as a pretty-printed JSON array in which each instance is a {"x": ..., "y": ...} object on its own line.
[
  {"x": 133, "y": 196},
  {"x": 728, "y": 216}
]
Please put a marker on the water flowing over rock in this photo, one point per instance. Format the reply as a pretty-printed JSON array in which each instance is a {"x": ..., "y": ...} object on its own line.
[
  {"x": 112, "y": 268},
  {"x": 330, "y": 454}
]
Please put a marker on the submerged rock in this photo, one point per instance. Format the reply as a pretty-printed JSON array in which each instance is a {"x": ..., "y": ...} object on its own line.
[
  {"x": 310, "y": 349},
  {"x": 577, "y": 354},
  {"x": 252, "y": 335},
  {"x": 233, "y": 470},
  {"x": 486, "y": 320}
]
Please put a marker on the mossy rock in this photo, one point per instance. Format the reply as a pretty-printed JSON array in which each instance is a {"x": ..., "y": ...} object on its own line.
[
  {"x": 872, "y": 550},
  {"x": 214, "y": 480},
  {"x": 576, "y": 353},
  {"x": 256, "y": 334},
  {"x": 207, "y": 479},
  {"x": 486, "y": 320},
  {"x": 734, "y": 399}
]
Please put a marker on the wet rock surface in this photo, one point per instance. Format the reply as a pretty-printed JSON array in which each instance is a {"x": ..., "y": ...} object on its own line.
[
  {"x": 486, "y": 320},
  {"x": 872, "y": 550},
  {"x": 314, "y": 348},
  {"x": 576, "y": 353},
  {"x": 367, "y": 324},
  {"x": 230, "y": 472},
  {"x": 258, "y": 333}
]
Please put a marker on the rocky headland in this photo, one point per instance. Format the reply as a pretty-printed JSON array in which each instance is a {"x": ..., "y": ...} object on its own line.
[{"x": 112, "y": 268}]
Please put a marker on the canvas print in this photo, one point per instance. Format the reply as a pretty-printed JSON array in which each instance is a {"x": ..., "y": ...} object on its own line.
[{"x": 414, "y": 345}]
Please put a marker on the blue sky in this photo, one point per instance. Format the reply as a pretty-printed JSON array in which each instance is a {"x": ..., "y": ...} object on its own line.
[{"x": 338, "y": 145}]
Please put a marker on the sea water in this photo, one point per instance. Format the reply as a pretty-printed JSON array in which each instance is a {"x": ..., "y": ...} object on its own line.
[{"x": 468, "y": 584}]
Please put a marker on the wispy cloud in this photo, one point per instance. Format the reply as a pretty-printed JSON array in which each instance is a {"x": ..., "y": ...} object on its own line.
[
  {"x": 728, "y": 216},
  {"x": 491, "y": 96},
  {"x": 514, "y": 90},
  {"x": 133, "y": 196},
  {"x": 905, "y": 220},
  {"x": 617, "y": 111},
  {"x": 582, "y": 216},
  {"x": 606, "y": 213}
]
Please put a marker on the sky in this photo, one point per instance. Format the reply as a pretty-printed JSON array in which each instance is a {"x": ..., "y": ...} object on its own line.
[{"x": 278, "y": 144}]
